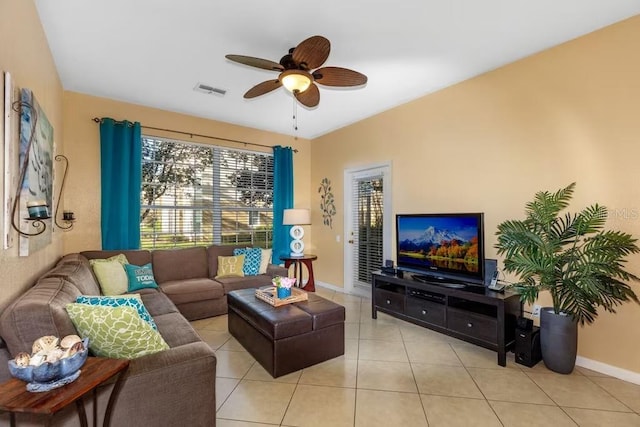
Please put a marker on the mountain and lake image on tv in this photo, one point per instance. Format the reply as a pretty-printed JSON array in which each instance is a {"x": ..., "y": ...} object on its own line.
[{"x": 448, "y": 244}]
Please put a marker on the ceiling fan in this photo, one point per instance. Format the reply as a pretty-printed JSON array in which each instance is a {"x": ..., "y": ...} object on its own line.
[{"x": 299, "y": 72}]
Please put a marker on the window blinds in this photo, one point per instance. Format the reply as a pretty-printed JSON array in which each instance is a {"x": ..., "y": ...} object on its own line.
[
  {"x": 200, "y": 194},
  {"x": 367, "y": 227}
]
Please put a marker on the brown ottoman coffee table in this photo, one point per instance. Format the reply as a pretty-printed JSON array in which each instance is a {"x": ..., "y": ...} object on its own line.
[{"x": 287, "y": 338}]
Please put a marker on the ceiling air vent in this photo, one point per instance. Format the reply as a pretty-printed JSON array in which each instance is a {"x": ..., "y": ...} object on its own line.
[{"x": 203, "y": 88}]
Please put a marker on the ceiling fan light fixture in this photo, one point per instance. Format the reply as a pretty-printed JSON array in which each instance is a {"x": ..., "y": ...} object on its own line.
[{"x": 296, "y": 80}]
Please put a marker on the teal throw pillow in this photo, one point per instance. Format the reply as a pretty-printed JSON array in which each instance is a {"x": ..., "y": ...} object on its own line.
[
  {"x": 140, "y": 277},
  {"x": 116, "y": 332},
  {"x": 252, "y": 260},
  {"x": 120, "y": 301}
]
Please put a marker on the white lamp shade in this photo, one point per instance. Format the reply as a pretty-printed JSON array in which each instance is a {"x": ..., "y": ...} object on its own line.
[{"x": 296, "y": 217}]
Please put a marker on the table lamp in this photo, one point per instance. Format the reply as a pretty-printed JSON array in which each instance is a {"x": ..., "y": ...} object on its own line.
[{"x": 296, "y": 217}]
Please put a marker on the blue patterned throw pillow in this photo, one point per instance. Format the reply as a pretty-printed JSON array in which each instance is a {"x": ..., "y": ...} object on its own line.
[
  {"x": 252, "y": 259},
  {"x": 133, "y": 301}
]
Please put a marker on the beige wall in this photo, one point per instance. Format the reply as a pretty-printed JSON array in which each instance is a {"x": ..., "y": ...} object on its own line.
[
  {"x": 567, "y": 114},
  {"x": 488, "y": 144},
  {"x": 24, "y": 53},
  {"x": 82, "y": 147}
]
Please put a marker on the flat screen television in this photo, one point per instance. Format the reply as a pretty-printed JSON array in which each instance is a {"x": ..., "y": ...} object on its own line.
[{"x": 442, "y": 247}]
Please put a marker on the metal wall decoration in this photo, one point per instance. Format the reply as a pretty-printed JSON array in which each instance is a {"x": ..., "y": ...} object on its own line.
[{"x": 327, "y": 202}]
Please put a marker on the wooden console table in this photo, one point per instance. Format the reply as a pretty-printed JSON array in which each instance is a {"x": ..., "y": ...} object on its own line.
[
  {"x": 14, "y": 397},
  {"x": 471, "y": 313},
  {"x": 306, "y": 260}
]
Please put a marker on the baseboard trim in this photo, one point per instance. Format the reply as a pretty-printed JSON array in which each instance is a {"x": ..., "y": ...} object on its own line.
[
  {"x": 340, "y": 289},
  {"x": 330, "y": 286},
  {"x": 613, "y": 371}
]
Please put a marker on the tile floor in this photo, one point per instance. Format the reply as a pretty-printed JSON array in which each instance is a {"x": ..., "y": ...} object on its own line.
[{"x": 394, "y": 373}]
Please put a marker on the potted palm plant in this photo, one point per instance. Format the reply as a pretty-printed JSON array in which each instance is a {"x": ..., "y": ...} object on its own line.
[{"x": 573, "y": 258}]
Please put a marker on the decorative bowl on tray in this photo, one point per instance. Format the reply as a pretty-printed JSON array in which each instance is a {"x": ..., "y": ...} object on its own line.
[{"x": 43, "y": 375}]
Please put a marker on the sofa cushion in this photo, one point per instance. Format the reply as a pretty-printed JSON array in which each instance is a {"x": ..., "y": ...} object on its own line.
[
  {"x": 176, "y": 330},
  {"x": 73, "y": 259},
  {"x": 157, "y": 303},
  {"x": 111, "y": 274},
  {"x": 184, "y": 291},
  {"x": 131, "y": 300},
  {"x": 235, "y": 283},
  {"x": 137, "y": 257},
  {"x": 39, "y": 311},
  {"x": 78, "y": 273},
  {"x": 140, "y": 277},
  {"x": 179, "y": 264},
  {"x": 116, "y": 332},
  {"x": 214, "y": 251}
]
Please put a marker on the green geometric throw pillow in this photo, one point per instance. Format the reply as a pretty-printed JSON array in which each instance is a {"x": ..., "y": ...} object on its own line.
[
  {"x": 116, "y": 332},
  {"x": 131, "y": 300}
]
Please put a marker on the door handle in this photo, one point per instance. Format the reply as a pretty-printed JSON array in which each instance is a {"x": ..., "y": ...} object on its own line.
[{"x": 351, "y": 241}]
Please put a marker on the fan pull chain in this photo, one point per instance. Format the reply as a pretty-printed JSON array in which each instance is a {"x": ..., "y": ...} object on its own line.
[{"x": 295, "y": 115}]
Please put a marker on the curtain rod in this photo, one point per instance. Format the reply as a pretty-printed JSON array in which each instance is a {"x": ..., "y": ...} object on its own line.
[{"x": 191, "y": 134}]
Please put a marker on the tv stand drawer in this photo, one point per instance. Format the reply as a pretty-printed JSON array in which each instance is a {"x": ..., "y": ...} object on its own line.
[
  {"x": 425, "y": 311},
  {"x": 476, "y": 325},
  {"x": 390, "y": 300}
]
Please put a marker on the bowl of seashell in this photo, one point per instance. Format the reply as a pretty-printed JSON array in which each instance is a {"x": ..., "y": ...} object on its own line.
[{"x": 51, "y": 360}]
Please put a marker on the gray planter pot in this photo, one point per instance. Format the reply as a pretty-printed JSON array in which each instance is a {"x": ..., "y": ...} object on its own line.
[{"x": 558, "y": 341}]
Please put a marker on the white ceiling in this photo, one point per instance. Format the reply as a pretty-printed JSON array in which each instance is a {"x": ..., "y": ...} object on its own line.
[{"x": 153, "y": 52}]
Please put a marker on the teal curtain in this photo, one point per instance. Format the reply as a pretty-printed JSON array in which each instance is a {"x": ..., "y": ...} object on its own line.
[
  {"x": 282, "y": 199},
  {"x": 121, "y": 179}
]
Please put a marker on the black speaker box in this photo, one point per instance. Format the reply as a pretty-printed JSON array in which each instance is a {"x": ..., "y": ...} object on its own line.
[
  {"x": 524, "y": 324},
  {"x": 528, "y": 346},
  {"x": 388, "y": 270}
]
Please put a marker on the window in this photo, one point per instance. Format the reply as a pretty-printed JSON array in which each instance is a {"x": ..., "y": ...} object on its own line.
[{"x": 199, "y": 194}]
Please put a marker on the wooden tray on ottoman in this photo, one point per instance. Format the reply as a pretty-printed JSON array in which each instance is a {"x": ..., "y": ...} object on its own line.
[{"x": 269, "y": 295}]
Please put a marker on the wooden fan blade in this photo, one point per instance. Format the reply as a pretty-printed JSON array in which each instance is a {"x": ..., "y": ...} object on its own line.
[
  {"x": 265, "y": 64},
  {"x": 337, "y": 76},
  {"x": 310, "y": 97},
  {"x": 262, "y": 88},
  {"x": 312, "y": 52}
]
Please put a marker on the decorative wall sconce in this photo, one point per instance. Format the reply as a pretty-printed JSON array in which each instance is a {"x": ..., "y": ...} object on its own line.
[
  {"x": 37, "y": 209},
  {"x": 67, "y": 216}
]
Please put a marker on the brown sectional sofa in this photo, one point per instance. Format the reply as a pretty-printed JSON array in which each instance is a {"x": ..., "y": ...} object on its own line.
[
  {"x": 173, "y": 387},
  {"x": 187, "y": 276}
]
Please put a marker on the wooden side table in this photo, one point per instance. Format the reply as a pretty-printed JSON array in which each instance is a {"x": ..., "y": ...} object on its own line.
[
  {"x": 14, "y": 397},
  {"x": 306, "y": 260}
]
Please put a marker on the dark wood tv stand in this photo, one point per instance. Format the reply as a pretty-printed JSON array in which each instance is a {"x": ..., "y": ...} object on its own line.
[{"x": 474, "y": 313}]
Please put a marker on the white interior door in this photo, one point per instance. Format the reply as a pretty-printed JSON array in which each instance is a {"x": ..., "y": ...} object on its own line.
[{"x": 367, "y": 225}]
